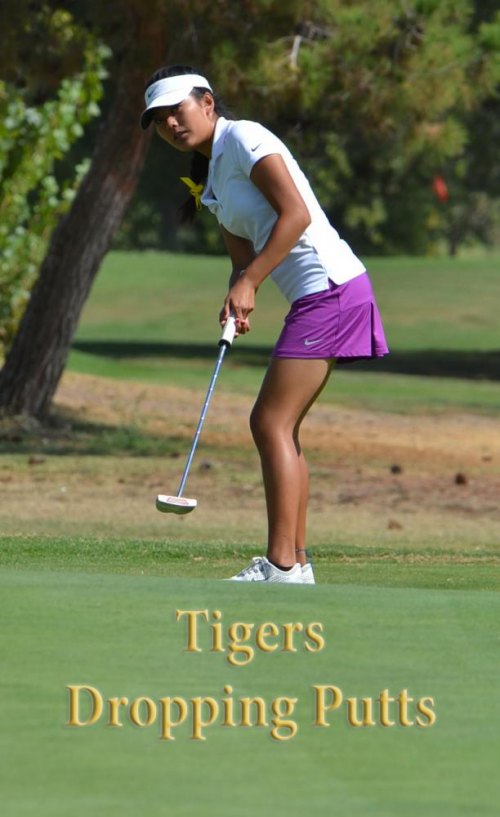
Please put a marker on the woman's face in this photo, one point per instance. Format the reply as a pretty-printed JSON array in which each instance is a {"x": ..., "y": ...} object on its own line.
[{"x": 189, "y": 125}]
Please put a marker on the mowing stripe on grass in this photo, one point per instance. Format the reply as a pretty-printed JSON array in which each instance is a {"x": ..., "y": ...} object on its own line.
[
  {"x": 120, "y": 635},
  {"x": 464, "y": 570}
]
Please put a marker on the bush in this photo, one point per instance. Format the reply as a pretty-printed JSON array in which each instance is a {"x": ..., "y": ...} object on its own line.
[{"x": 32, "y": 140}]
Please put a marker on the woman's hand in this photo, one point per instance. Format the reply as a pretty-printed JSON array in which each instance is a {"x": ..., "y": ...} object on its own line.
[{"x": 239, "y": 301}]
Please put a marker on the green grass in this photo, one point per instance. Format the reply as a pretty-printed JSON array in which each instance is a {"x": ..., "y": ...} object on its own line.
[
  {"x": 473, "y": 568},
  {"x": 427, "y": 303},
  {"x": 118, "y": 634},
  {"x": 99, "y": 609},
  {"x": 373, "y": 390},
  {"x": 153, "y": 317}
]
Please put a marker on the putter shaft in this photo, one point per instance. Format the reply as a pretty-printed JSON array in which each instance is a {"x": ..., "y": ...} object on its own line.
[{"x": 222, "y": 351}]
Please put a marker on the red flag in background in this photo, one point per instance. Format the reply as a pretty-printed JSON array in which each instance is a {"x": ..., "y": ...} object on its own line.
[{"x": 440, "y": 188}]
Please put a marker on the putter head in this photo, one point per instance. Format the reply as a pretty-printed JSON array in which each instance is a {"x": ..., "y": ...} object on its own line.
[{"x": 175, "y": 504}]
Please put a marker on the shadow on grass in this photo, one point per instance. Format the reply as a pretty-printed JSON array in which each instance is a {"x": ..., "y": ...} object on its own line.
[
  {"x": 65, "y": 433},
  {"x": 126, "y": 350},
  {"x": 476, "y": 365}
]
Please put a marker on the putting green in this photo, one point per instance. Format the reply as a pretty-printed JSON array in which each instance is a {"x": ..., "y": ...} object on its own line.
[{"x": 119, "y": 634}]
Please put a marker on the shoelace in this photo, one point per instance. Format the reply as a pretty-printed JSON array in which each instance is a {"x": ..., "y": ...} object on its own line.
[{"x": 253, "y": 568}]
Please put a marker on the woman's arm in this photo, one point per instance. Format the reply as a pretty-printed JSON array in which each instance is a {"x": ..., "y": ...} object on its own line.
[
  {"x": 273, "y": 179},
  {"x": 240, "y": 251}
]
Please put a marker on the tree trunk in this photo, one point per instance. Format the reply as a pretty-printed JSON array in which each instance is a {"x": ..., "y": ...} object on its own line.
[{"x": 36, "y": 361}]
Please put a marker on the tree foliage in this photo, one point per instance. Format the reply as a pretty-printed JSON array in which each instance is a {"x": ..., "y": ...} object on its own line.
[
  {"x": 373, "y": 99},
  {"x": 376, "y": 100},
  {"x": 32, "y": 140},
  {"x": 473, "y": 178},
  {"x": 38, "y": 354},
  {"x": 375, "y": 104}
]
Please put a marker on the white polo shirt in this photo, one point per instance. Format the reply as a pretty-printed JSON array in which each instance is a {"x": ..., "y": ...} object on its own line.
[{"x": 320, "y": 254}]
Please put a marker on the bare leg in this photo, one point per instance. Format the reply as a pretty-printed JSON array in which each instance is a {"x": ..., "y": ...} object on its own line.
[
  {"x": 289, "y": 389},
  {"x": 300, "y": 534}
]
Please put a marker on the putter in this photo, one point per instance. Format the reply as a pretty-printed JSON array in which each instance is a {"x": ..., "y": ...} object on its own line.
[{"x": 181, "y": 504}]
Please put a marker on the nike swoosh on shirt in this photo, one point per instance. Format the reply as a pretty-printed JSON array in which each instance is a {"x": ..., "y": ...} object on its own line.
[
  {"x": 311, "y": 342},
  {"x": 255, "y": 148}
]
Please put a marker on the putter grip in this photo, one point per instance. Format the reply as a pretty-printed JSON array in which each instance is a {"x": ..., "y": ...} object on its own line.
[{"x": 229, "y": 332}]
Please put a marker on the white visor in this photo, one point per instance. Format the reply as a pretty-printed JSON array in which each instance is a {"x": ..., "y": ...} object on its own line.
[{"x": 170, "y": 91}]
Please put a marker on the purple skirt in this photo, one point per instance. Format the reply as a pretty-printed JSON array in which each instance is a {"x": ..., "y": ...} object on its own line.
[{"x": 342, "y": 322}]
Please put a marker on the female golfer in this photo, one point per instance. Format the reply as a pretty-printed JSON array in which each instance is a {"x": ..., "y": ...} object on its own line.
[{"x": 272, "y": 225}]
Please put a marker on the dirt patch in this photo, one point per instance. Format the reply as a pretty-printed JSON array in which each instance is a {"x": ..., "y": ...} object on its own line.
[
  {"x": 459, "y": 439},
  {"x": 376, "y": 478}
]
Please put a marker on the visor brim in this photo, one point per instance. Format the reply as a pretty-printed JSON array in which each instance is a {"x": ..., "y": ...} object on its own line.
[{"x": 163, "y": 101}]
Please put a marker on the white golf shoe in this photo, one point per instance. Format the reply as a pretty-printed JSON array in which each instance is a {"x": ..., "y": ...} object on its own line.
[
  {"x": 308, "y": 574},
  {"x": 261, "y": 570}
]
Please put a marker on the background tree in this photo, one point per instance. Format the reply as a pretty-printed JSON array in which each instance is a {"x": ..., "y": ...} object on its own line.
[
  {"x": 136, "y": 31},
  {"x": 472, "y": 214},
  {"x": 373, "y": 103},
  {"x": 32, "y": 139},
  {"x": 36, "y": 360}
]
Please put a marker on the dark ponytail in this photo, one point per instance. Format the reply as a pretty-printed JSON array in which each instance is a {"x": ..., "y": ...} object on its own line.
[{"x": 199, "y": 163}]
